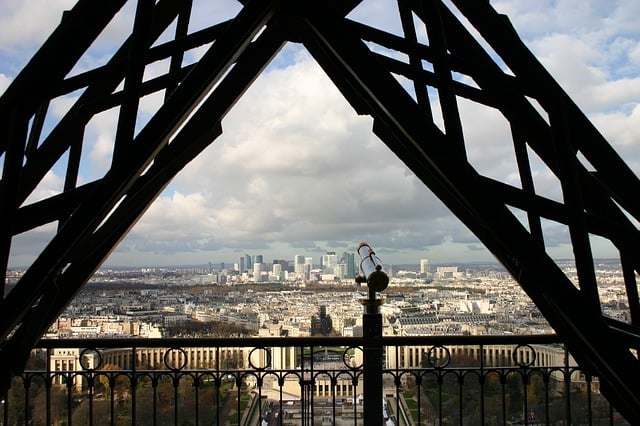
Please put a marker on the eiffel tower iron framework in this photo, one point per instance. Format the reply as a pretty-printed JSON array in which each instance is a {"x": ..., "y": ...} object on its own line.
[{"x": 599, "y": 191}]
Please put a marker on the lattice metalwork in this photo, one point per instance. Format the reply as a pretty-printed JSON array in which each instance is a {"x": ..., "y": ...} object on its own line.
[
  {"x": 435, "y": 380},
  {"x": 411, "y": 87}
]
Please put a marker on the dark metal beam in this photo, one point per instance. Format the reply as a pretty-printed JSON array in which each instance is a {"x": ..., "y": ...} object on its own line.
[
  {"x": 169, "y": 49},
  {"x": 429, "y": 12},
  {"x": 499, "y": 32},
  {"x": 182, "y": 30},
  {"x": 140, "y": 41},
  {"x": 90, "y": 250},
  {"x": 55, "y": 208},
  {"x": 78, "y": 29},
  {"x": 420, "y": 145},
  {"x": 68, "y": 128},
  {"x": 415, "y": 58},
  {"x": 122, "y": 175},
  {"x": 16, "y": 133}
]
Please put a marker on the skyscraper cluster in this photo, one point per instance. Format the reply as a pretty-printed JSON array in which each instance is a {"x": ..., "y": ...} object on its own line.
[{"x": 339, "y": 266}]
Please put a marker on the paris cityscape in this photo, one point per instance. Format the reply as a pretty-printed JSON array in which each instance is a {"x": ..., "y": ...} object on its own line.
[
  {"x": 254, "y": 298},
  {"x": 152, "y": 277},
  {"x": 301, "y": 297}
]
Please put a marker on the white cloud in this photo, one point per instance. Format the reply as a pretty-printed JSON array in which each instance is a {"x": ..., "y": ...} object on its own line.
[
  {"x": 297, "y": 168},
  {"x": 29, "y": 23},
  {"x": 50, "y": 185},
  {"x": 590, "y": 47},
  {"x": 622, "y": 130},
  {"x": 98, "y": 145},
  {"x": 634, "y": 54},
  {"x": 593, "y": 88},
  {"x": 295, "y": 163},
  {"x": 176, "y": 217}
]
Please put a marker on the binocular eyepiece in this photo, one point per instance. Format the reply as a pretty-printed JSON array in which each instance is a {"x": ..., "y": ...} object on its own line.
[{"x": 371, "y": 269}]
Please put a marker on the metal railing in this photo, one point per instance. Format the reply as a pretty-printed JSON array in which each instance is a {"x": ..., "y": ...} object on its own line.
[{"x": 441, "y": 380}]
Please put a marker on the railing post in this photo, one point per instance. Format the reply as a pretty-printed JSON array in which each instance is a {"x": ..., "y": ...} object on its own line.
[
  {"x": 372, "y": 362},
  {"x": 377, "y": 280}
]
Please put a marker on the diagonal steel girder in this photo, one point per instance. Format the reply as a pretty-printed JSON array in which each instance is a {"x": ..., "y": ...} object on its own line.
[
  {"x": 30, "y": 90},
  {"x": 435, "y": 159},
  {"x": 187, "y": 123},
  {"x": 67, "y": 134}
]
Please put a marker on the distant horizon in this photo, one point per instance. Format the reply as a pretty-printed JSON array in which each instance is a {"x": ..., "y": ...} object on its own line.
[
  {"x": 230, "y": 264},
  {"x": 440, "y": 263}
]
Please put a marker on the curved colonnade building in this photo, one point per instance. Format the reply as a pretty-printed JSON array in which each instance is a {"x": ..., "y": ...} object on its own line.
[{"x": 288, "y": 358}]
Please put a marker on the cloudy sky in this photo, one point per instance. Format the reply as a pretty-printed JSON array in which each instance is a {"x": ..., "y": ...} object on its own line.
[{"x": 298, "y": 172}]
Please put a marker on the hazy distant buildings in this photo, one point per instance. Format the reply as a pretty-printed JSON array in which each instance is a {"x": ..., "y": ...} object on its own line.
[
  {"x": 277, "y": 272},
  {"x": 284, "y": 264},
  {"x": 328, "y": 261},
  {"x": 391, "y": 271},
  {"x": 445, "y": 272},
  {"x": 299, "y": 264},
  {"x": 340, "y": 270},
  {"x": 257, "y": 271},
  {"x": 350, "y": 263},
  {"x": 331, "y": 265},
  {"x": 308, "y": 266},
  {"x": 276, "y": 269},
  {"x": 424, "y": 307},
  {"x": 424, "y": 267}
]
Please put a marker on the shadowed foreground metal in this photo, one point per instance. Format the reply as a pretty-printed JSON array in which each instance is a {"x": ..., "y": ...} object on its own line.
[
  {"x": 599, "y": 191},
  {"x": 292, "y": 381}
]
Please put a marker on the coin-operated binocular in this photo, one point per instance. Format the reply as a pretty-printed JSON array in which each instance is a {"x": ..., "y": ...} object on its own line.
[{"x": 371, "y": 270}]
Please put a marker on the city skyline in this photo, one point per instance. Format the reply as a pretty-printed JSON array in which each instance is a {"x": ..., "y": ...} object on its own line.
[{"x": 297, "y": 170}]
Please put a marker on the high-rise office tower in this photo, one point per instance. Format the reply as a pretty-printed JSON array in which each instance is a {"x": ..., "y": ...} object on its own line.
[
  {"x": 284, "y": 264},
  {"x": 391, "y": 271},
  {"x": 257, "y": 271},
  {"x": 340, "y": 270},
  {"x": 258, "y": 258},
  {"x": 247, "y": 262},
  {"x": 349, "y": 259},
  {"x": 424, "y": 266},
  {"x": 328, "y": 261},
  {"x": 241, "y": 267},
  {"x": 299, "y": 264}
]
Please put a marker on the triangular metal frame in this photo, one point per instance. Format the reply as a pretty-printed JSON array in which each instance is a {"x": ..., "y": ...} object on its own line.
[{"x": 95, "y": 216}]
